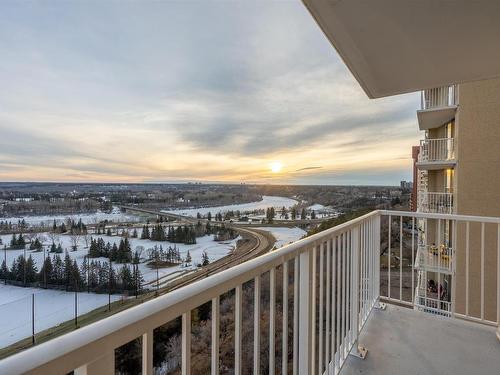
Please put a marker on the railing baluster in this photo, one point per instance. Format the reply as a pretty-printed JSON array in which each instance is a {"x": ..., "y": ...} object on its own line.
[
  {"x": 344, "y": 304},
  {"x": 238, "y": 301},
  {"x": 312, "y": 320},
  {"x": 306, "y": 312},
  {"x": 295, "y": 363},
  {"x": 256, "y": 327},
  {"x": 320, "y": 333},
  {"x": 389, "y": 260},
  {"x": 498, "y": 274},
  {"x": 272, "y": 320},
  {"x": 339, "y": 301},
  {"x": 482, "y": 271},
  {"x": 401, "y": 258},
  {"x": 328, "y": 305},
  {"x": 147, "y": 353},
  {"x": 215, "y": 335},
  {"x": 467, "y": 231},
  {"x": 413, "y": 259},
  {"x": 186, "y": 343},
  {"x": 284, "y": 347}
]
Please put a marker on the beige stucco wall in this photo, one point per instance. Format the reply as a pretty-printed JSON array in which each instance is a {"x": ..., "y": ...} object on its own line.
[{"x": 477, "y": 183}]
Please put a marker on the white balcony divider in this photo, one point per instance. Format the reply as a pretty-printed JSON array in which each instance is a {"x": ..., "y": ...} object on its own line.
[
  {"x": 437, "y": 150},
  {"x": 475, "y": 240},
  {"x": 431, "y": 202},
  {"x": 338, "y": 280},
  {"x": 439, "y": 97}
]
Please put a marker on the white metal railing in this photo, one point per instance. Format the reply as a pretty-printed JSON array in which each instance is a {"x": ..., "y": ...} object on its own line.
[
  {"x": 475, "y": 241},
  {"x": 333, "y": 280},
  {"x": 434, "y": 258},
  {"x": 431, "y": 202},
  {"x": 437, "y": 149},
  {"x": 439, "y": 97}
]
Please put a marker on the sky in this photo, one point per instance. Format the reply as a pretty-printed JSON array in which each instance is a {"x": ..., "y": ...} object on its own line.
[{"x": 165, "y": 91}]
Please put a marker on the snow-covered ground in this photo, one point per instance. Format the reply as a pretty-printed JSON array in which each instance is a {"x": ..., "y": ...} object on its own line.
[
  {"x": 89, "y": 218},
  {"x": 52, "y": 307},
  {"x": 267, "y": 201},
  {"x": 284, "y": 236},
  {"x": 215, "y": 250}
]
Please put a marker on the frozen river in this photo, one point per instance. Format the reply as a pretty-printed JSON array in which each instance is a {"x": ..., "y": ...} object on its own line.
[{"x": 267, "y": 201}]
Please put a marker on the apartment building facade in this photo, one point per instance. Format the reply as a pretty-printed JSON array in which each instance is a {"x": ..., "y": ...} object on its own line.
[{"x": 457, "y": 173}]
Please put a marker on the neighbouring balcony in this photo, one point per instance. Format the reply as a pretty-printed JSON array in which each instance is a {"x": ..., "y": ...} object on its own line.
[
  {"x": 307, "y": 308},
  {"x": 432, "y": 296},
  {"x": 438, "y": 106},
  {"x": 431, "y": 202},
  {"x": 436, "y": 153},
  {"x": 439, "y": 97},
  {"x": 434, "y": 258}
]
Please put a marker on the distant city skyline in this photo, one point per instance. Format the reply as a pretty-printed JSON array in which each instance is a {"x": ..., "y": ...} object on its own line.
[{"x": 232, "y": 92}]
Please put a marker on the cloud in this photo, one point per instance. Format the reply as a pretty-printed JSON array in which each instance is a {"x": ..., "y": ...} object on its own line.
[
  {"x": 186, "y": 90},
  {"x": 307, "y": 169}
]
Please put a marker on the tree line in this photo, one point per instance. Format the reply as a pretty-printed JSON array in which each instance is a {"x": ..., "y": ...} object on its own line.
[{"x": 56, "y": 272}]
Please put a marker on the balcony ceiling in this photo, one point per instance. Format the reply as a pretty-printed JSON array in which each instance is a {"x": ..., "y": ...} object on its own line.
[
  {"x": 436, "y": 117},
  {"x": 399, "y": 46}
]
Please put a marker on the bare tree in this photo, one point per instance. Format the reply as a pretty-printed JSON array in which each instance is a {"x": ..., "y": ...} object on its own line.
[
  {"x": 86, "y": 237},
  {"x": 75, "y": 240},
  {"x": 53, "y": 236}
]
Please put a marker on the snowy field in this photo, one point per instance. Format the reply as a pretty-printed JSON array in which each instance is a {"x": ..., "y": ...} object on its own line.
[
  {"x": 267, "y": 201},
  {"x": 52, "y": 307},
  {"x": 284, "y": 236},
  {"x": 90, "y": 218}
]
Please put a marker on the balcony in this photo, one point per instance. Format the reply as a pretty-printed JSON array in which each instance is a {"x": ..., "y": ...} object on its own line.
[
  {"x": 333, "y": 283},
  {"x": 431, "y": 202},
  {"x": 434, "y": 258},
  {"x": 438, "y": 106},
  {"x": 436, "y": 154}
]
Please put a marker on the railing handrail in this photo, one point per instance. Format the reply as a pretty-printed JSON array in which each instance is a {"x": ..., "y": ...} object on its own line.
[
  {"x": 156, "y": 312},
  {"x": 428, "y": 140},
  {"x": 422, "y": 215}
]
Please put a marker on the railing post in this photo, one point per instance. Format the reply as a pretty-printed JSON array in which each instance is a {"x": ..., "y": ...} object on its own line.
[
  {"x": 104, "y": 365},
  {"x": 376, "y": 237},
  {"x": 147, "y": 353},
  {"x": 305, "y": 312},
  {"x": 357, "y": 351},
  {"x": 186, "y": 343}
]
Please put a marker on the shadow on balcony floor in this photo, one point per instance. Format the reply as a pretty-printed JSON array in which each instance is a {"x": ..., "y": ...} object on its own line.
[{"x": 404, "y": 341}]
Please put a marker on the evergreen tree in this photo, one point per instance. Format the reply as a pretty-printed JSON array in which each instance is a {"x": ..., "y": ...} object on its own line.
[
  {"x": 31, "y": 271},
  {"x": 67, "y": 271},
  {"x": 188, "y": 257},
  {"x": 313, "y": 215},
  {"x": 209, "y": 216},
  {"x": 46, "y": 272},
  {"x": 108, "y": 233},
  {"x": 4, "y": 271},
  {"x": 303, "y": 214},
  {"x": 204, "y": 259}
]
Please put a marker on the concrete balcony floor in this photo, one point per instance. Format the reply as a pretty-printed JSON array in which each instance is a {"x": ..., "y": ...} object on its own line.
[{"x": 403, "y": 341}]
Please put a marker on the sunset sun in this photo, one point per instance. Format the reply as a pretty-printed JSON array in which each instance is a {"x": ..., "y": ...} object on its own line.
[{"x": 276, "y": 166}]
